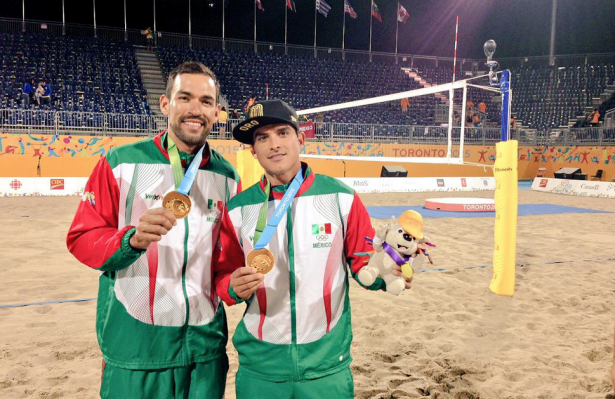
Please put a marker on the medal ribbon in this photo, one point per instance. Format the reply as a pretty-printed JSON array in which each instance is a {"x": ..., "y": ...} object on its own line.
[
  {"x": 394, "y": 255},
  {"x": 183, "y": 183},
  {"x": 265, "y": 229}
]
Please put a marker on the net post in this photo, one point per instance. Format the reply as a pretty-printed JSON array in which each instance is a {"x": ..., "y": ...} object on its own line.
[
  {"x": 506, "y": 172},
  {"x": 462, "y": 131},
  {"x": 451, "y": 94},
  {"x": 505, "y": 89}
]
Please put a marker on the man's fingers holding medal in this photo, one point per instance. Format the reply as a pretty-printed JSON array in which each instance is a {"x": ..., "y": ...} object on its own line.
[
  {"x": 245, "y": 281},
  {"x": 397, "y": 272},
  {"x": 153, "y": 224}
]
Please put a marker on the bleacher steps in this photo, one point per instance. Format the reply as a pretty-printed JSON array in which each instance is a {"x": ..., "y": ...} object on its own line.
[{"x": 152, "y": 77}]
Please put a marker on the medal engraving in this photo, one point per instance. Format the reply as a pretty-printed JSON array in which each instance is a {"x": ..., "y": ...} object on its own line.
[
  {"x": 261, "y": 259},
  {"x": 178, "y": 204}
]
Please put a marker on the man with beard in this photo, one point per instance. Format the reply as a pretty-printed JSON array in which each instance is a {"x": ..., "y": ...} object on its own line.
[{"x": 148, "y": 222}]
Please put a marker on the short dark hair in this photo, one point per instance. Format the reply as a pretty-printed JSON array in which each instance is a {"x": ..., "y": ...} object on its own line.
[{"x": 195, "y": 68}]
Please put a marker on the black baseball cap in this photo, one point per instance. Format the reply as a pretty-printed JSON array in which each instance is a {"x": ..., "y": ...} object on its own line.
[{"x": 264, "y": 113}]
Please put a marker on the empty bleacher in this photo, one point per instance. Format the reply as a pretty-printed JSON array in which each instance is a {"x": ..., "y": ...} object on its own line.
[
  {"x": 97, "y": 83},
  {"x": 549, "y": 97},
  {"x": 85, "y": 74},
  {"x": 307, "y": 82}
]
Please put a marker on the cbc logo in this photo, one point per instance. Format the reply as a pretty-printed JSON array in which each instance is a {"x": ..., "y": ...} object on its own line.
[{"x": 322, "y": 237}]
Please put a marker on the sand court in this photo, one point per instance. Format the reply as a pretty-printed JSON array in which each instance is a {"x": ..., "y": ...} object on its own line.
[{"x": 448, "y": 337}]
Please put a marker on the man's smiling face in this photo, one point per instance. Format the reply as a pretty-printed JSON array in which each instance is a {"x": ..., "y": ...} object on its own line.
[{"x": 192, "y": 110}]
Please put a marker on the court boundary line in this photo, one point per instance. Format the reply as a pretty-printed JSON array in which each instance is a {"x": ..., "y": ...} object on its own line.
[{"x": 553, "y": 262}]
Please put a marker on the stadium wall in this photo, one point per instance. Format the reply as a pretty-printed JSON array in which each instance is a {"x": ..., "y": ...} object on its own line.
[{"x": 75, "y": 156}]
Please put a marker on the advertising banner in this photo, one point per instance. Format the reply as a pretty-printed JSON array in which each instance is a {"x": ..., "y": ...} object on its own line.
[
  {"x": 419, "y": 184},
  {"x": 582, "y": 188},
  {"x": 41, "y": 186}
]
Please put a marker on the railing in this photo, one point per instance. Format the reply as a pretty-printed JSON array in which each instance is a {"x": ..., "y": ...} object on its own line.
[
  {"x": 402, "y": 134},
  {"x": 609, "y": 118},
  {"x": 581, "y": 136},
  {"x": 110, "y": 124},
  {"x": 70, "y": 122}
]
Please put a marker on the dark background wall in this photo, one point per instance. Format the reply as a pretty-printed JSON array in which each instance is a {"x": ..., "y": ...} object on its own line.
[{"x": 520, "y": 27}]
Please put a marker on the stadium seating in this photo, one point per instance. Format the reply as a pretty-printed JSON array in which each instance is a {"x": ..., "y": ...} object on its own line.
[
  {"x": 85, "y": 74},
  {"x": 307, "y": 82},
  {"x": 548, "y": 97},
  {"x": 100, "y": 76}
]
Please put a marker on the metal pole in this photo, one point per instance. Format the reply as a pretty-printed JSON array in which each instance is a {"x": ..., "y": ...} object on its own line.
[
  {"x": 94, "y": 6},
  {"x": 371, "y": 17},
  {"x": 155, "y": 30},
  {"x": 223, "y": 7},
  {"x": 451, "y": 94},
  {"x": 63, "y": 20},
  {"x": 23, "y": 15},
  {"x": 455, "y": 55},
  {"x": 315, "y": 25},
  {"x": 344, "y": 33},
  {"x": 285, "y": 28},
  {"x": 190, "y": 23},
  {"x": 505, "y": 88},
  {"x": 255, "y": 49},
  {"x": 463, "y": 121},
  {"x": 397, "y": 32},
  {"x": 125, "y": 23},
  {"x": 552, "y": 42}
]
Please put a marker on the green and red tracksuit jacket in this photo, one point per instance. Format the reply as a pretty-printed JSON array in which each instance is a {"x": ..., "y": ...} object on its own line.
[
  {"x": 297, "y": 326},
  {"x": 156, "y": 308}
]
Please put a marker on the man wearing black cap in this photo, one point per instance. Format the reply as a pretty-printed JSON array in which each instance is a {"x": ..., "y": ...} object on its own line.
[{"x": 294, "y": 338}]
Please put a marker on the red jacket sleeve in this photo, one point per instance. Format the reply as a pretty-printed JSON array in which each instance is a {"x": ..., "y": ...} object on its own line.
[
  {"x": 359, "y": 226},
  {"x": 94, "y": 238},
  {"x": 227, "y": 257}
]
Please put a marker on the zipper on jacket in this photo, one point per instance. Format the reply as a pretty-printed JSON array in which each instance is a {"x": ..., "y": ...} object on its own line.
[
  {"x": 185, "y": 291},
  {"x": 293, "y": 313}
]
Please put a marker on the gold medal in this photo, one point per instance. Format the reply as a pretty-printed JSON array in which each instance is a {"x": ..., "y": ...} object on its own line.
[
  {"x": 179, "y": 204},
  {"x": 261, "y": 260},
  {"x": 406, "y": 270}
]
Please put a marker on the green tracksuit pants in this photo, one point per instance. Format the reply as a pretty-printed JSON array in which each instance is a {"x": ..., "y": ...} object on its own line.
[
  {"x": 197, "y": 381},
  {"x": 339, "y": 386}
]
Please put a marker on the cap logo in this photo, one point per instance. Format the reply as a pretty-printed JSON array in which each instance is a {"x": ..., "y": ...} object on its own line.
[
  {"x": 292, "y": 118},
  {"x": 248, "y": 126},
  {"x": 256, "y": 111}
]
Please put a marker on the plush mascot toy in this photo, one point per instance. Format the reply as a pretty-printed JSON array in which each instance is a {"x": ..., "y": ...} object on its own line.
[{"x": 397, "y": 242}]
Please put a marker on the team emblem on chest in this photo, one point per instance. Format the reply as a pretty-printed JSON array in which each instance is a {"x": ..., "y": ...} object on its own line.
[
  {"x": 214, "y": 209},
  {"x": 321, "y": 235}
]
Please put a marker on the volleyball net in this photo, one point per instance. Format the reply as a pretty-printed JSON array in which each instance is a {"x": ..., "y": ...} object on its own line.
[{"x": 447, "y": 115}]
